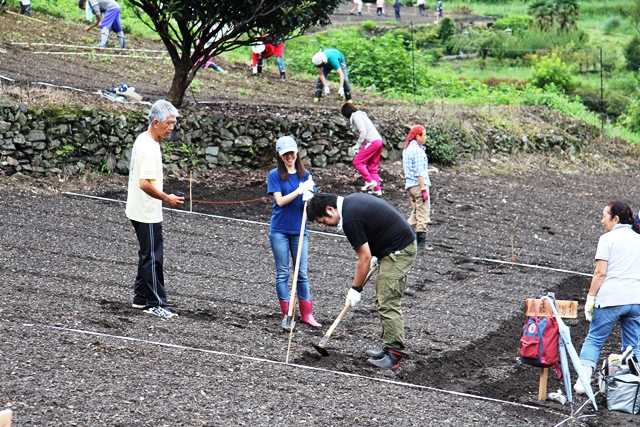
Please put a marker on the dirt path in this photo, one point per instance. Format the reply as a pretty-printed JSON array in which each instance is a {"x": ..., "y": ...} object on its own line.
[{"x": 68, "y": 263}]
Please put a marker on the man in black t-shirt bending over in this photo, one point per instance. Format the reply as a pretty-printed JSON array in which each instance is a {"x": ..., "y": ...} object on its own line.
[{"x": 374, "y": 228}]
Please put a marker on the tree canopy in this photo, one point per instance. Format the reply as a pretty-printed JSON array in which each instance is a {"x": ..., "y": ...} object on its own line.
[{"x": 195, "y": 30}]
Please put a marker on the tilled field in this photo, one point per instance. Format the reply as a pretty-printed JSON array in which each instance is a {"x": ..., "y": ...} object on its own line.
[{"x": 75, "y": 353}]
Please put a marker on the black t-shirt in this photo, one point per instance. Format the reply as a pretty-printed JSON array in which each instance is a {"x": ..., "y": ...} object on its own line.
[{"x": 367, "y": 219}]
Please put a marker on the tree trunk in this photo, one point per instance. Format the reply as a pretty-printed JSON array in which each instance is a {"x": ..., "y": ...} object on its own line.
[{"x": 182, "y": 78}]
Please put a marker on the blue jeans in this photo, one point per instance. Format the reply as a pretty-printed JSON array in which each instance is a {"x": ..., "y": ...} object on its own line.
[
  {"x": 602, "y": 323},
  {"x": 282, "y": 245}
]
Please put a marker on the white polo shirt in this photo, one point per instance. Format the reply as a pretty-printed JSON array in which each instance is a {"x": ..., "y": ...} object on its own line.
[
  {"x": 146, "y": 163},
  {"x": 620, "y": 247}
]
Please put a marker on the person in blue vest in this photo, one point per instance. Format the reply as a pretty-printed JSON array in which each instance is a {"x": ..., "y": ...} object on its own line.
[{"x": 326, "y": 61}]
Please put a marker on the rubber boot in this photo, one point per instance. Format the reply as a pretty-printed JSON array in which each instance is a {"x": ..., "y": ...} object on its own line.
[
  {"x": 422, "y": 241},
  {"x": 578, "y": 387},
  {"x": 121, "y": 41},
  {"x": 25, "y": 10},
  {"x": 306, "y": 313},
  {"x": 391, "y": 359},
  {"x": 376, "y": 354},
  {"x": 259, "y": 69},
  {"x": 318, "y": 95},
  {"x": 284, "y": 306},
  {"x": 283, "y": 76}
]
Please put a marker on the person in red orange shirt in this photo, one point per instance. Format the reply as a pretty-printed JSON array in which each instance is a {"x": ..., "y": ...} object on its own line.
[{"x": 261, "y": 50}]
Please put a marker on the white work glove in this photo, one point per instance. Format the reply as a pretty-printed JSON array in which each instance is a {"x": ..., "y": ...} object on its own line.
[
  {"x": 341, "y": 91},
  {"x": 373, "y": 262},
  {"x": 307, "y": 195},
  {"x": 355, "y": 149},
  {"x": 354, "y": 297},
  {"x": 306, "y": 186},
  {"x": 589, "y": 306},
  {"x": 327, "y": 90},
  {"x": 255, "y": 70}
]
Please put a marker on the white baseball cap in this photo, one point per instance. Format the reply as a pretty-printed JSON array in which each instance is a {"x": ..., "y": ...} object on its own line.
[
  {"x": 319, "y": 59},
  {"x": 258, "y": 47},
  {"x": 286, "y": 144}
]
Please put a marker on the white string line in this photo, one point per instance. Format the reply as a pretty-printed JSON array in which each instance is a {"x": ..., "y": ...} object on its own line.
[
  {"x": 87, "y": 47},
  {"x": 101, "y": 54},
  {"x": 531, "y": 266},
  {"x": 198, "y": 213},
  {"x": 63, "y": 87},
  {"x": 319, "y": 232},
  {"x": 294, "y": 365}
]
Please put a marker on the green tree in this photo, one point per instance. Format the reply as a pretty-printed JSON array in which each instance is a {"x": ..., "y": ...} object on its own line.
[
  {"x": 223, "y": 25},
  {"x": 543, "y": 13},
  {"x": 633, "y": 12},
  {"x": 567, "y": 13}
]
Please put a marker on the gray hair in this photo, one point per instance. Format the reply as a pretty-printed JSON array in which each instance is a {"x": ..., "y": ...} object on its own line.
[{"x": 161, "y": 110}]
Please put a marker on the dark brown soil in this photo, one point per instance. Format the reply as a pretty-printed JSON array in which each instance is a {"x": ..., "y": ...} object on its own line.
[{"x": 68, "y": 263}]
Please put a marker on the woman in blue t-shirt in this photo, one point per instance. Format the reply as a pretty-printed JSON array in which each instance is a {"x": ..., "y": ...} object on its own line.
[{"x": 288, "y": 183}]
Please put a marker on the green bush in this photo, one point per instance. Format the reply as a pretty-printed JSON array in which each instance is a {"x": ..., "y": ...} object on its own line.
[
  {"x": 369, "y": 25},
  {"x": 446, "y": 29},
  {"x": 549, "y": 70},
  {"x": 631, "y": 120},
  {"x": 531, "y": 41},
  {"x": 517, "y": 23},
  {"x": 439, "y": 146},
  {"x": 612, "y": 24},
  {"x": 632, "y": 54}
]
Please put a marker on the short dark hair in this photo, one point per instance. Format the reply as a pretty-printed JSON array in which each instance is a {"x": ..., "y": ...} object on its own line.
[
  {"x": 348, "y": 109},
  {"x": 81, "y": 3},
  {"x": 317, "y": 206}
]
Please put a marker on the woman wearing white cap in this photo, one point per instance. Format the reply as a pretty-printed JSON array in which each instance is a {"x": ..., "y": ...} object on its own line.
[{"x": 288, "y": 183}]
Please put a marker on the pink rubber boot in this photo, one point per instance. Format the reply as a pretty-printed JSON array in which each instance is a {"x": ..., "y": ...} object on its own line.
[
  {"x": 306, "y": 313},
  {"x": 284, "y": 306}
]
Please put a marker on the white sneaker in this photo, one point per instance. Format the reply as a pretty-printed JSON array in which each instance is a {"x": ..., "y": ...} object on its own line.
[
  {"x": 377, "y": 193},
  {"x": 138, "y": 306},
  {"x": 369, "y": 186},
  {"x": 161, "y": 312}
]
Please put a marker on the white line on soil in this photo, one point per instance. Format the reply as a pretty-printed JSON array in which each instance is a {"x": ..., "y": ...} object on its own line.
[
  {"x": 531, "y": 266},
  {"x": 198, "y": 213},
  {"x": 293, "y": 365}
]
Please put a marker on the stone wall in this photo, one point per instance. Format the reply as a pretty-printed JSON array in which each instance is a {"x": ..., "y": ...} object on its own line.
[
  {"x": 54, "y": 141},
  {"x": 66, "y": 141}
]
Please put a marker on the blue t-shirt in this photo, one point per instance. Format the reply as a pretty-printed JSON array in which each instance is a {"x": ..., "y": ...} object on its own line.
[{"x": 288, "y": 218}]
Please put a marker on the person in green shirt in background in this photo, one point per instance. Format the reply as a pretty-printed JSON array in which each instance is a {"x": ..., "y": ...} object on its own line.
[{"x": 326, "y": 61}]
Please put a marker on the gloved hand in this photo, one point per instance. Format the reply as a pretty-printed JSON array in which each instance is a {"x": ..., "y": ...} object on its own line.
[
  {"x": 355, "y": 149},
  {"x": 353, "y": 296},
  {"x": 425, "y": 193},
  {"x": 341, "y": 91},
  {"x": 327, "y": 90},
  {"x": 255, "y": 70},
  {"x": 589, "y": 306},
  {"x": 373, "y": 262},
  {"x": 307, "y": 195},
  {"x": 306, "y": 186}
]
